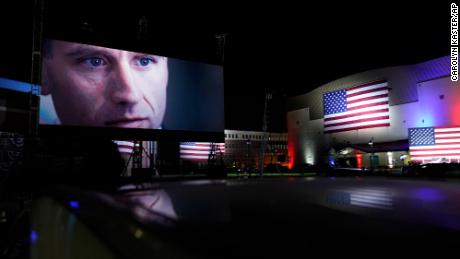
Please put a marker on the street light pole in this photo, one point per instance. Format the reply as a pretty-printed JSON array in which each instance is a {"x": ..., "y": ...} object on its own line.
[
  {"x": 248, "y": 144},
  {"x": 268, "y": 96}
]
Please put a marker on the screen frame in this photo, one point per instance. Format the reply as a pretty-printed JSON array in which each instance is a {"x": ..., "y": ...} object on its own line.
[{"x": 50, "y": 130}]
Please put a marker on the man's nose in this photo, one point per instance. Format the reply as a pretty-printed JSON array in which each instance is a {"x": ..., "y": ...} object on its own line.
[{"x": 124, "y": 90}]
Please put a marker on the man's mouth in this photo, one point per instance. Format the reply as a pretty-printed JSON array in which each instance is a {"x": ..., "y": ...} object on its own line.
[{"x": 128, "y": 123}]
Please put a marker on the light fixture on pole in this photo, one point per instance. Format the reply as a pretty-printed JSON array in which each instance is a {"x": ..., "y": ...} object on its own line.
[{"x": 371, "y": 142}]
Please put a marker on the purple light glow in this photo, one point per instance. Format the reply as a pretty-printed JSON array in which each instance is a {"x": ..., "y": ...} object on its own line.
[{"x": 428, "y": 194}]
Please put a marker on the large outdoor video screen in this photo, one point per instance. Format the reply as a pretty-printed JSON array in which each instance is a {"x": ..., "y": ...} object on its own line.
[{"x": 93, "y": 86}]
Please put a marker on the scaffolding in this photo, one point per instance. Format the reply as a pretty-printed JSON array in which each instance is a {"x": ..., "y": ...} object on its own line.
[
  {"x": 263, "y": 144},
  {"x": 35, "y": 71}
]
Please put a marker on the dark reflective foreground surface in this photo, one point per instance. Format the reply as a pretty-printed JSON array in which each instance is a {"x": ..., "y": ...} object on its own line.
[{"x": 266, "y": 217}]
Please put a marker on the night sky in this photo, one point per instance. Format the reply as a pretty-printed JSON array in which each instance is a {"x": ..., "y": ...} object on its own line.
[{"x": 284, "y": 49}]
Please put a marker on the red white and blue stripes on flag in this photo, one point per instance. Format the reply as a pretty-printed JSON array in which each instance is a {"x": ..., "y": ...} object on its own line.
[
  {"x": 430, "y": 144},
  {"x": 358, "y": 107},
  {"x": 125, "y": 148},
  {"x": 199, "y": 151}
]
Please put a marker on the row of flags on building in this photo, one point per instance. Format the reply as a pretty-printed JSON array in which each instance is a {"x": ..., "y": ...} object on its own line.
[
  {"x": 196, "y": 151},
  {"x": 200, "y": 151}
]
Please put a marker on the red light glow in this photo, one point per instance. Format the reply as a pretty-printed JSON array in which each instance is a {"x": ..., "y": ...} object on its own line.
[{"x": 359, "y": 160}]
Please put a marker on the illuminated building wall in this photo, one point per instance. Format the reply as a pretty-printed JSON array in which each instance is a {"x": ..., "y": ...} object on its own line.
[
  {"x": 421, "y": 95},
  {"x": 243, "y": 148}
]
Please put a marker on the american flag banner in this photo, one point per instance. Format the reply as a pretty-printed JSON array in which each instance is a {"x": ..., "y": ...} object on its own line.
[
  {"x": 125, "y": 147},
  {"x": 373, "y": 197},
  {"x": 199, "y": 150},
  {"x": 358, "y": 107},
  {"x": 434, "y": 143}
]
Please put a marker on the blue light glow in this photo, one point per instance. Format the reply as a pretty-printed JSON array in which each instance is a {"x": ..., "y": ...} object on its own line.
[
  {"x": 33, "y": 236},
  {"x": 15, "y": 85},
  {"x": 426, "y": 120},
  {"x": 74, "y": 204},
  {"x": 332, "y": 161}
]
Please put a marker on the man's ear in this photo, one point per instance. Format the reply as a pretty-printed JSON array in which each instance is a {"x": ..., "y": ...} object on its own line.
[{"x": 45, "y": 81}]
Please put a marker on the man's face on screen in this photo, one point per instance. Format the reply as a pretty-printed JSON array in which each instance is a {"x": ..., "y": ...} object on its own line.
[{"x": 96, "y": 86}]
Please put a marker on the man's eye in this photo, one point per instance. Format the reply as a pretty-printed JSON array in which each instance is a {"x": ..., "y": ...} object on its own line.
[
  {"x": 95, "y": 62},
  {"x": 145, "y": 61}
]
